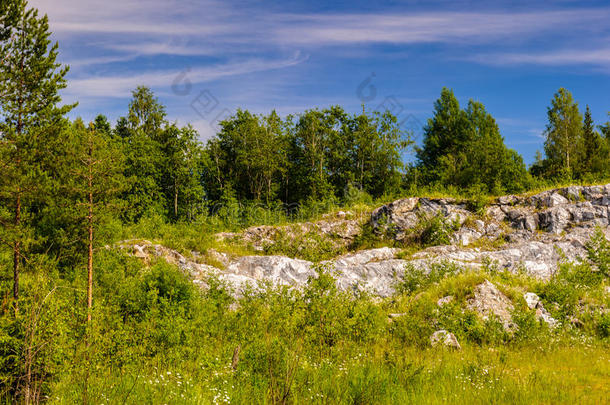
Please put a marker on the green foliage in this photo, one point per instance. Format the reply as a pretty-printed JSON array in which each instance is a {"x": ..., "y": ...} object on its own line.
[
  {"x": 311, "y": 246},
  {"x": 564, "y": 137},
  {"x": 155, "y": 337},
  {"x": 416, "y": 279},
  {"x": 598, "y": 252},
  {"x": 464, "y": 148},
  {"x": 433, "y": 230}
]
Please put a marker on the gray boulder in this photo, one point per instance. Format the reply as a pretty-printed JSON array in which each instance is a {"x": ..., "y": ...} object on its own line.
[
  {"x": 444, "y": 338},
  {"x": 489, "y": 301}
]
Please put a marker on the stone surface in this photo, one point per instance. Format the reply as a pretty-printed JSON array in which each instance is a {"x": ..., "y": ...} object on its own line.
[
  {"x": 489, "y": 301},
  {"x": 444, "y": 338},
  {"x": 533, "y": 302},
  {"x": 535, "y": 230},
  {"x": 531, "y": 299},
  {"x": 444, "y": 301}
]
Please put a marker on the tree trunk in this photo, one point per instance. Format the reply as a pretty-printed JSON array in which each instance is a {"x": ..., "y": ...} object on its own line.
[
  {"x": 16, "y": 255},
  {"x": 175, "y": 199},
  {"x": 90, "y": 253}
]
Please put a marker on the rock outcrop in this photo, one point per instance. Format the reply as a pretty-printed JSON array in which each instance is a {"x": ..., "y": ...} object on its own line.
[
  {"x": 488, "y": 301},
  {"x": 532, "y": 234}
]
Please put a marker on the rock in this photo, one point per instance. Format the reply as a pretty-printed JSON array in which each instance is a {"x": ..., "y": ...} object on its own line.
[
  {"x": 554, "y": 219},
  {"x": 572, "y": 193},
  {"x": 442, "y": 337},
  {"x": 545, "y": 316},
  {"x": 568, "y": 221},
  {"x": 399, "y": 212},
  {"x": 466, "y": 236},
  {"x": 531, "y": 299},
  {"x": 489, "y": 301},
  {"x": 138, "y": 251},
  {"x": 533, "y": 302},
  {"x": 555, "y": 199},
  {"x": 523, "y": 219},
  {"x": 444, "y": 301},
  {"x": 508, "y": 200},
  {"x": 592, "y": 193},
  {"x": 403, "y": 215},
  {"x": 496, "y": 213}
]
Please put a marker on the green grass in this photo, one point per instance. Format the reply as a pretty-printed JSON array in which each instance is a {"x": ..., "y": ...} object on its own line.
[{"x": 565, "y": 372}]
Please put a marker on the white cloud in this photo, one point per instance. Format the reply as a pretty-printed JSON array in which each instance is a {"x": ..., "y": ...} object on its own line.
[
  {"x": 429, "y": 27},
  {"x": 560, "y": 57},
  {"x": 120, "y": 86}
]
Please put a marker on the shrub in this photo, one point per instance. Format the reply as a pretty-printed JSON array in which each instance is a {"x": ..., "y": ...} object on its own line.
[
  {"x": 603, "y": 325},
  {"x": 598, "y": 251},
  {"x": 417, "y": 278},
  {"x": 433, "y": 230}
]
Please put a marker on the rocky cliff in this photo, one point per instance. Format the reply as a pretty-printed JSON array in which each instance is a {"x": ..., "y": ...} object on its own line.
[{"x": 530, "y": 234}]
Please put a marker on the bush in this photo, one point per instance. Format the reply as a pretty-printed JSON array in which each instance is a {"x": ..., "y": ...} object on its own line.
[
  {"x": 433, "y": 230},
  {"x": 603, "y": 325},
  {"x": 598, "y": 252},
  {"x": 417, "y": 278}
]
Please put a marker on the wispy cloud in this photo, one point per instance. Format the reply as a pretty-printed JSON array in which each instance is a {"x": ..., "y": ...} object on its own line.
[
  {"x": 435, "y": 26},
  {"x": 599, "y": 57},
  {"x": 120, "y": 86}
]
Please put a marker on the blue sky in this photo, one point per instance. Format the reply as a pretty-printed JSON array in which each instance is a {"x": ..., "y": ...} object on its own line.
[{"x": 206, "y": 58}]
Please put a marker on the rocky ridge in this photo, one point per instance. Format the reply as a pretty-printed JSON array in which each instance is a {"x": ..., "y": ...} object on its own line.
[{"x": 516, "y": 233}]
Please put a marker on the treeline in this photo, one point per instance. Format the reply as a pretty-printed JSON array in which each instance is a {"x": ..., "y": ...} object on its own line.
[{"x": 331, "y": 156}]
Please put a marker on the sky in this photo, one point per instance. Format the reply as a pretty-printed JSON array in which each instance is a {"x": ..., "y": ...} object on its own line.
[{"x": 204, "y": 59}]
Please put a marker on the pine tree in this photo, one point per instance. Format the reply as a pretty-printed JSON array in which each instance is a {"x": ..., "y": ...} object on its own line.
[
  {"x": 141, "y": 132},
  {"x": 30, "y": 80},
  {"x": 444, "y": 136},
  {"x": 464, "y": 148},
  {"x": 593, "y": 156},
  {"x": 92, "y": 178}
]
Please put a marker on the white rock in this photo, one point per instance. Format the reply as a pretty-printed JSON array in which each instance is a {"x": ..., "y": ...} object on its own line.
[
  {"x": 444, "y": 301},
  {"x": 444, "y": 338},
  {"x": 531, "y": 299}
]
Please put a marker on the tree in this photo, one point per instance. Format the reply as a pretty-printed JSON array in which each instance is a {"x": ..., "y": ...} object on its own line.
[
  {"x": 30, "y": 81},
  {"x": 444, "y": 136},
  {"x": 464, "y": 148},
  {"x": 248, "y": 155},
  {"x": 182, "y": 168},
  {"x": 366, "y": 153},
  {"x": 563, "y": 146},
  {"x": 93, "y": 178},
  {"x": 101, "y": 124},
  {"x": 595, "y": 154},
  {"x": 141, "y": 132},
  {"x": 146, "y": 113},
  {"x": 9, "y": 14},
  {"x": 309, "y": 142}
]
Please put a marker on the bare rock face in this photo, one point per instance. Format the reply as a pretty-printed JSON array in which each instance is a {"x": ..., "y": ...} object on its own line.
[
  {"x": 488, "y": 301},
  {"x": 444, "y": 338},
  {"x": 530, "y": 234}
]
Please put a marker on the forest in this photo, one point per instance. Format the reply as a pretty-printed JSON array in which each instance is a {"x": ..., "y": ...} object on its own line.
[{"x": 83, "y": 322}]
